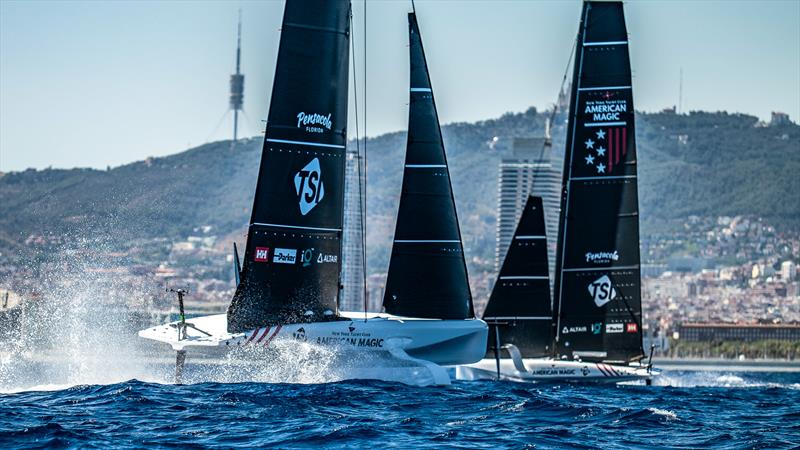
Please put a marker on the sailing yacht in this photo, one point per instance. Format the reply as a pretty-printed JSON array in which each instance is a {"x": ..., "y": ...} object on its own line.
[
  {"x": 594, "y": 329},
  {"x": 288, "y": 284}
]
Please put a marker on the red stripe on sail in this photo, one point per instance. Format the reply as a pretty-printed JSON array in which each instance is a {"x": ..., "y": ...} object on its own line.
[
  {"x": 616, "y": 138},
  {"x": 273, "y": 335},
  {"x": 263, "y": 335},
  {"x": 624, "y": 143},
  {"x": 610, "y": 150}
]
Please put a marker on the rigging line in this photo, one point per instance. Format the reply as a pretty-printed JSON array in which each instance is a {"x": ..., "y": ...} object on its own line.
[
  {"x": 363, "y": 184},
  {"x": 358, "y": 145}
]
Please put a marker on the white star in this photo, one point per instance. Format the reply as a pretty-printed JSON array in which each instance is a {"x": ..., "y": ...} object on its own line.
[
  {"x": 601, "y": 168},
  {"x": 601, "y": 151},
  {"x": 601, "y": 134},
  {"x": 589, "y": 143},
  {"x": 590, "y": 159}
]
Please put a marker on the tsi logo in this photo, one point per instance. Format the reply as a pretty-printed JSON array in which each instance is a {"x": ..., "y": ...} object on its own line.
[
  {"x": 309, "y": 187},
  {"x": 601, "y": 291},
  {"x": 284, "y": 255}
]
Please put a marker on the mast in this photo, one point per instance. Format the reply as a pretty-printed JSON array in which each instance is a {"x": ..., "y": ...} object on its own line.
[
  {"x": 519, "y": 306},
  {"x": 597, "y": 290},
  {"x": 292, "y": 260},
  {"x": 427, "y": 272}
]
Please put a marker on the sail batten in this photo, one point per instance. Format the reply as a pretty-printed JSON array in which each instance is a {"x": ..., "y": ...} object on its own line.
[
  {"x": 427, "y": 275},
  {"x": 597, "y": 292},
  {"x": 292, "y": 260}
]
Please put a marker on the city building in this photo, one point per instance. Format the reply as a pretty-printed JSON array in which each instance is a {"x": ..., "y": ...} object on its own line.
[
  {"x": 529, "y": 170},
  {"x": 788, "y": 271},
  {"x": 705, "y": 332},
  {"x": 352, "y": 296},
  {"x": 779, "y": 118}
]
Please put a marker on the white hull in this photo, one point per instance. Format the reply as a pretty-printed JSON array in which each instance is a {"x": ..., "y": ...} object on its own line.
[
  {"x": 550, "y": 370},
  {"x": 443, "y": 342}
]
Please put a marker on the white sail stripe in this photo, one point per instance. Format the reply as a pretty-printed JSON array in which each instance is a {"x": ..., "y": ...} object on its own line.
[
  {"x": 523, "y": 277},
  {"x": 600, "y": 177},
  {"x": 530, "y": 237},
  {"x": 595, "y": 269},
  {"x": 589, "y": 44},
  {"x": 604, "y": 124},
  {"x": 425, "y": 166},
  {"x": 519, "y": 318},
  {"x": 312, "y": 144},
  {"x": 603, "y": 88},
  {"x": 295, "y": 226},
  {"x": 421, "y": 90},
  {"x": 415, "y": 241}
]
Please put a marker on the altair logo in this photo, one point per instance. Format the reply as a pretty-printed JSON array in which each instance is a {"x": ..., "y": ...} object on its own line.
[
  {"x": 309, "y": 187},
  {"x": 602, "y": 291}
]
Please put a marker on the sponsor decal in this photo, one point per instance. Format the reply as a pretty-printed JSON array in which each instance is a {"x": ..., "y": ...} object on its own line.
[
  {"x": 300, "y": 335},
  {"x": 597, "y": 327},
  {"x": 323, "y": 258},
  {"x": 613, "y": 328},
  {"x": 602, "y": 257},
  {"x": 631, "y": 327},
  {"x": 351, "y": 327},
  {"x": 309, "y": 187},
  {"x": 284, "y": 255},
  {"x": 553, "y": 372},
  {"x": 585, "y": 370},
  {"x": 307, "y": 257},
  {"x": 602, "y": 291},
  {"x": 314, "y": 123},
  {"x": 568, "y": 330},
  {"x": 261, "y": 255},
  {"x": 351, "y": 338},
  {"x": 606, "y": 110}
]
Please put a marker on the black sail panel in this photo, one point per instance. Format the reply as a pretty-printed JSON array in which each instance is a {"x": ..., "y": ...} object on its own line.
[
  {"x": 519, "y": 305},
  {"x": 598, "y": 283},
  {"x": 427, "y": 272},
  {"x": 292, "y": 259}
]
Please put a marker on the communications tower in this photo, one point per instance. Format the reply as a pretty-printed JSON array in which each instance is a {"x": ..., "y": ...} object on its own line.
[{"x": 237, "y": 83}]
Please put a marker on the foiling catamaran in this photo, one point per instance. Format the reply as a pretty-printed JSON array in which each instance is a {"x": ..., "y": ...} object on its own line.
[
  {"x": 593, "y": 331},
  {"x": 289, "y": 283}
]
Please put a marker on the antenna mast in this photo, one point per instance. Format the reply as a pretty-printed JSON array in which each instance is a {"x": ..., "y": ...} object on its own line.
[{"x": 237, "y": 83}]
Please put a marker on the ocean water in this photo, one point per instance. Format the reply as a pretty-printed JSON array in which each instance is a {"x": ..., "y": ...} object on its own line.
[{"x": 683, "y": 410}]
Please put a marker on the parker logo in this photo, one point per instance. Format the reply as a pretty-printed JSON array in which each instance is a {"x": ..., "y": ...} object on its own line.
[
  {"x": 631, "y": 327},
  {"x": 309, "y": 187},
  {"x": 262, "y": 254},
  {"x": 308, "y": 122},
  {"x": 284, "y": 256},
  {"x": 613, "y": 328},
  {"x": 602, "y": 257},
  {"x": 602, "y": 291}
]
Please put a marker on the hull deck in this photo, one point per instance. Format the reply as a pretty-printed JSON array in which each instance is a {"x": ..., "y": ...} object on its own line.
[{"x": 550, "y": 370}]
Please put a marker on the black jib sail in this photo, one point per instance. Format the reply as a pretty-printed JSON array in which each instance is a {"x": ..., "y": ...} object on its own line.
[
  {"x": 597, "y": 286},
  {"x": 427, "y": 273},
  {"x": 292, "y": 259},
  {"x": 519, "y": 306}
]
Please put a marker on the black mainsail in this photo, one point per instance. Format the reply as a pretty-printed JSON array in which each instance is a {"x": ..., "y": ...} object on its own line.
[
  {"x": 292, "y": 259},
  {"x": 427, "y": 273},
  {"x": 519, "y": 306},
  {"x": 597, "y": 292}
]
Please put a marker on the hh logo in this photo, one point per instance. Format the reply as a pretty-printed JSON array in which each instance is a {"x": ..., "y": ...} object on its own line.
[
  {"x": 602, "y": 291},
  {"x": 631, "y": 327},
  {"x": 262, "y": 254},
  {"x": 309, "y": 187}
]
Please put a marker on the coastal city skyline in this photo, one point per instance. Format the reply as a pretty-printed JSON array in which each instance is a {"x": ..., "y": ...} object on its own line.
[{"x": 157, "y": 73}]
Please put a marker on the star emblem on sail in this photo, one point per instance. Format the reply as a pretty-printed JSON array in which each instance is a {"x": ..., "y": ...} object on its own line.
[{"x": 309, "y": 187}]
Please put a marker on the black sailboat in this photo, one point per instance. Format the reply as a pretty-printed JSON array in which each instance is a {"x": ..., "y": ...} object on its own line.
[
  {"x": 292, "y": 259},
  {"x": 427, "y": 275},
  {"x": 597, "y": 292},
  {"x": 519, "y": 310}
]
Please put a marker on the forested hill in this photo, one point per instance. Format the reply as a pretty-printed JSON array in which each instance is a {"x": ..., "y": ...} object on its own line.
[{"x": 699, "y": 163}]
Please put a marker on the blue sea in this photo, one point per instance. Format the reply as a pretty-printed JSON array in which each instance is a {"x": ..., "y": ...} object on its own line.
[{"x": 705, "y": 409}]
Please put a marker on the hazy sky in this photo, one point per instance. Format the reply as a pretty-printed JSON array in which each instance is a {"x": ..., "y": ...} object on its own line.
[{"x": 89, "y": 83}]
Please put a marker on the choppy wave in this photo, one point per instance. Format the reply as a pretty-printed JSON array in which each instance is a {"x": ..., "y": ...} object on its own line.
[{"x": 759, "y": 412}]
